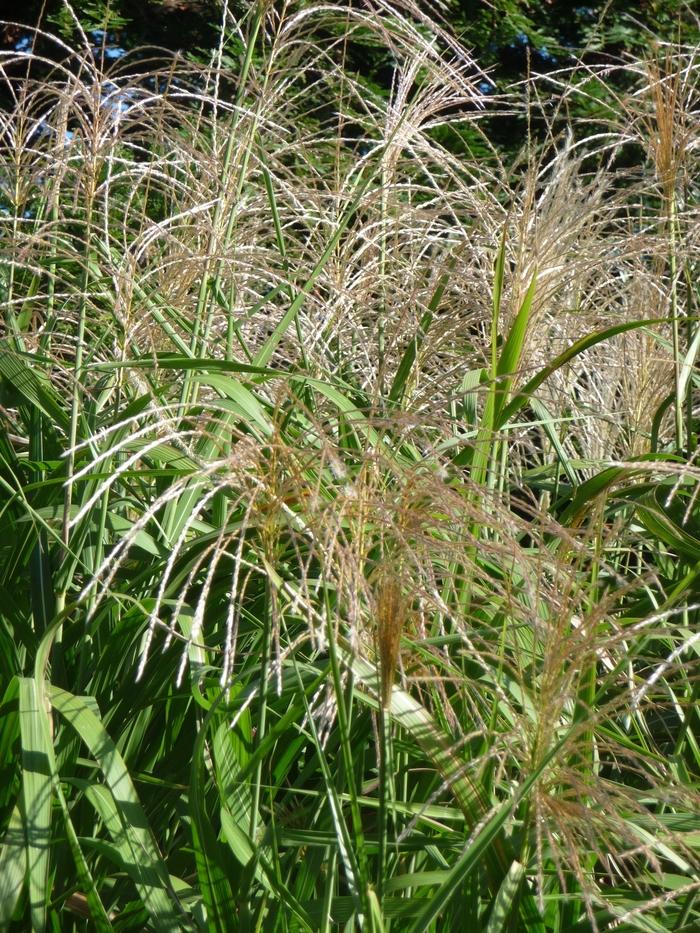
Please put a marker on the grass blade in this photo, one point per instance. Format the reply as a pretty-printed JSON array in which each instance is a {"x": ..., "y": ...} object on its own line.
[
  {"x": 37, "y": 795},
  {"x": 13, "y": 862},
  {"x": 129, "y": 818}
]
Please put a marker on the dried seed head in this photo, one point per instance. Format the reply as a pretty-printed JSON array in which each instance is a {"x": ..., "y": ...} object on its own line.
[{"x": 392, "y": 608}]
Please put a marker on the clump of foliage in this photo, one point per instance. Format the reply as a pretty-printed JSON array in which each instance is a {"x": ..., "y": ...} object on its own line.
[{"x": 349, "y": 524}]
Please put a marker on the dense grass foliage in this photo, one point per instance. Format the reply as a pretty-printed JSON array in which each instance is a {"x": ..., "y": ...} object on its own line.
[{"x": 349, "y": 533}]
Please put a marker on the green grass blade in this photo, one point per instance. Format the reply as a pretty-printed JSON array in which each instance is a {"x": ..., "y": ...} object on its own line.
[
  {"x": 505, "y": 368},
  {"x": 476, "y": 850},
  {"x": 602, "y": 482},
  {"x": 408, "y": 713},
  {"x": 128, "y": 854},
  {"x": 408, "y": 359},
  {"x": 655, "y": 518},
  {"x": 403, "y": 371},
  {"x": 497, "y": 299},
  {"x": 13, "y": 862},
  {"x": 37, "y": 794},
  {"x": 505, "y": 899},
  {"x": 175, "y": 362},
  {"x": 548, "y": 423},
  {"x": 87, "y": 882},
  {"x": 159, "y": 899},
  {"x": 469, "y": 391},
  {"x": 264, "y": 354},
  {"x": 509, "y": 360},
  {"x": 28, "y": 385},
  {"x": 580, "y": 346},
  {"x": 242, "y": 401},
  {"x": 214, "y": 881}
]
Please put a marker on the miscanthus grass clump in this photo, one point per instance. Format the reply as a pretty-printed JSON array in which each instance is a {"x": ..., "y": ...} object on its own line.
[{"x": 349, "y": 523}]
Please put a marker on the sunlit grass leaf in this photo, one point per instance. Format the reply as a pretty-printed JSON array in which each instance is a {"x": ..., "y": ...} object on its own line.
[
  {"x": 127, "y": 819},
  {"x": 13, "y": 862},
  {"x": 585, "y": 343},
  {"x": 214, "y": 878},
  {"x": 33, "y": 388},
  {"x": 38, "y": 767},
  {"x": 503, "y": 903}
]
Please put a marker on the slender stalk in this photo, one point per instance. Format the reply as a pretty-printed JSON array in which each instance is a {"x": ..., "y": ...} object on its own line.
[
  {"x": 679, "y": 403},
  {"x": 75, "y": 409},
  {"x": 340, "y": 693},
  {"x": 209, "y": 284},
  {"x": 268, "y": 621}
]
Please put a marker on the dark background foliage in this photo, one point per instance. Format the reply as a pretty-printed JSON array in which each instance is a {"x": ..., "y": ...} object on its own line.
[
  {"x": 508, "y": 36},
  {"x": 510, "y": 39}
]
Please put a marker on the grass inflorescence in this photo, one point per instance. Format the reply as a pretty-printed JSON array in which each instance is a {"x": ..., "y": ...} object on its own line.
[{"x": 349, "y": 528}]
